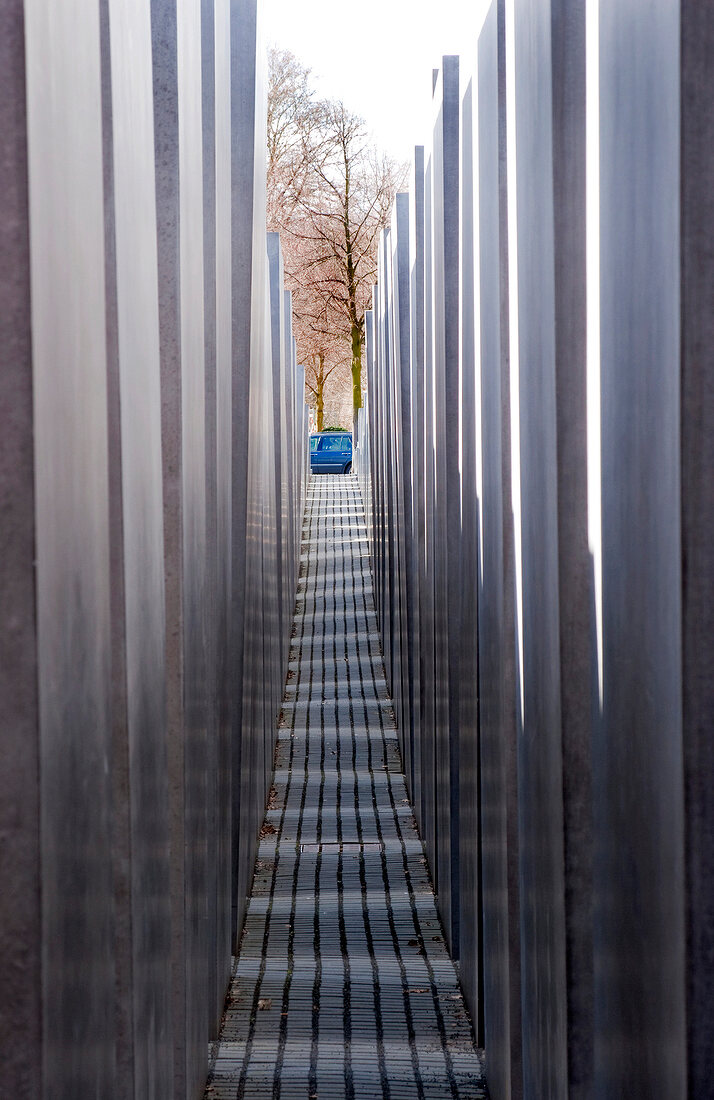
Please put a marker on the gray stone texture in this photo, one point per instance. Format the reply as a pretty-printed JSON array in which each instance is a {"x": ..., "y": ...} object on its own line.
[
  {"x": 468, "y": 897},
  {"x": 427, "y": 591},
  {"x": 444, "y": 368},
  {"x": 280, "y": 414},
  {"x": 195, "y": 597},
  {"x": 401, "y": 433},
  {"x": 243, "y": 74},
  {"x": 383, "y": 367},
  {"x": 697, "y": 480},
  {"x": 497, "y": 697},
  {"x": 179, "y": 203},
  {"x": 447, "y": 532},
  {"x": 20, "y": 871},
  {"x": 416, "y": 378},
  {"x": 591, "y": 842},
  {"x": 164, "y": 34},
  {"x": 260, "y": 672},
  {"x": 639, "y": 872},
  {"x": 139, "y": 763},
  {"x": 71, "y": 546},
  {"x": 213, "y": 624},
  {"x": 225, "y": 625},
  {"x": 117, "y": 477},
  {"x": 535, "y": 507},
  {"x": 577, "y": 626}
]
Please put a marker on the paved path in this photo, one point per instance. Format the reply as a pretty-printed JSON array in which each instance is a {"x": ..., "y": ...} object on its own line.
[{"x": 344, "y": 987}]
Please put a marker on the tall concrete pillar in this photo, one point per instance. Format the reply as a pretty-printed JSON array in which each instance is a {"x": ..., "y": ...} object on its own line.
[
  {"x": 416, "y": 336},
  {"x": 224, "y": 374},
  {"x": 639, "y": 865},
  {"x": 140, "y": 752},
  {"x": 575, "y": 605},
  {"x": 389, "y": 595},
  {"x": 252, "y": 381},
  {"x": 176, "y": 44},
  {"x": 119, "y": 148},
  {"x": 243, "y": 29},
  {"x": 496, "y": 603},
  {"x": 535, "y": 510},
  {"x": 470, "y": 464},
  {"x": 370, "y": 506},
  {"x": 57, "y": 904},
  {"x": 20, "y": 854},
  {"x": 209, "y": 108},
  {"x": 279, "y": 427},
  {"x": 409, "y": 678},
  {"x": 697, "y": 479},
  {"x": 294, "y": 450},
  {"x": 428, "y": 603},
  {"x": 447, "y": 518}
]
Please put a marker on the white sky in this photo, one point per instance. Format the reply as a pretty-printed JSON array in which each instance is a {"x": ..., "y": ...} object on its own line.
[{"x": 377, "y": 56}]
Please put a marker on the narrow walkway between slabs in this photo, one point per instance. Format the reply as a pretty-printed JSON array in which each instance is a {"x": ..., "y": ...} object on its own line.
[{"x": 344, "y": 986}]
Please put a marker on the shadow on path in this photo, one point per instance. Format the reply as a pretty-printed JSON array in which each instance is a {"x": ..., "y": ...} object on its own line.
[{"x": 344, "y": 986}]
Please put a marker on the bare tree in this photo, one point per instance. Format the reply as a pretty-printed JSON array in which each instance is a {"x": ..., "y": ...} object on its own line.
[
  {"x": 294, "y": 136},
  {"x": 329, "y": 195},
  {"x": 319, "y": 335},
  {"x": 345, "y": 212}
]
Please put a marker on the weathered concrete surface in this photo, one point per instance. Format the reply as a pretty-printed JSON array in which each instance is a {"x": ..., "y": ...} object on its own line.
[{"x": 20, "y": 929}]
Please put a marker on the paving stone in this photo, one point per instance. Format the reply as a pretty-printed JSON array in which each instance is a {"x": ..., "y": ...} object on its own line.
[{"x": 343, "y": 986}]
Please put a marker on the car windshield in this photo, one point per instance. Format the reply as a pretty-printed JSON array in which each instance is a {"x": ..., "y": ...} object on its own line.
[
  {"x": 314, "y": 440},
  {"x": 332, "y": 443}
]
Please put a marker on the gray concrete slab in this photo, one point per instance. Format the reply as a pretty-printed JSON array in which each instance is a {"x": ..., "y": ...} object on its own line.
[
  {"x": 409, "y": 682},
  {"x": 697, "y": 396},
  {"x": 535, "y": 510},
  {"x": 447, "y": 485},
  {"x": 71, "y": 544},
  {"x": 196, "y": 598},
  {"x": 176, "y": 45},
  {"x": 20, "y": 915},
  {"x": 117, "y": 478},
  {"x": 279, "y": 428},
  {"x": 165, "y": 91},
  {"x": 639, "y": 904},
  {"x": 416, "y": 387},
  {"x": 427, "y": 590},
  {"x": 466, "y": 653},
  {"x": 216, "y": 972},
  {"x": 243, "y": 74},
  {"x": 224, "y": 625},
  {"x": 497, "y": 693},
  {"x": 577, "y": 627},
  {"x": 141, "y": 868}
]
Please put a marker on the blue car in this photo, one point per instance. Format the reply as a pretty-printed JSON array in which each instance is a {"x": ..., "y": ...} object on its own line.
[{"x": 331, "y": 453}]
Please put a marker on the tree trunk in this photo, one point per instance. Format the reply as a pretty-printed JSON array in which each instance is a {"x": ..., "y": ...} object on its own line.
[
  {"x": 356, "y": 368},
  {"x": 320, "y": 405}
]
